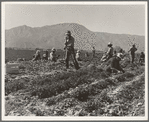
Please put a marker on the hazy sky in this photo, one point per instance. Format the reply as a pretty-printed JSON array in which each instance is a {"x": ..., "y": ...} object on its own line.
[{"x": 120, "y": 19}]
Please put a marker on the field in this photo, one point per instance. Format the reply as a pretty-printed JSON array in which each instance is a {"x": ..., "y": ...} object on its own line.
[
  {"x": 13, "y": 54},
  {"x": 47, "y": 89}
]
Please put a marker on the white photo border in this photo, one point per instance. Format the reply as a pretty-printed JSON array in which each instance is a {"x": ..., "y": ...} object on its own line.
[{"x": 51, "y": 118}]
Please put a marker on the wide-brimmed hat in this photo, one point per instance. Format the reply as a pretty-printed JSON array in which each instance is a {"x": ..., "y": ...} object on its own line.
[
  {"x": 78, "y": 51},
  {"x": 38, "y": 51},
  {"x": 110, "y": 44},
  {"x": 68, "y": 33},
  {"x": 120, "y": 55},
  {"x": 44, "y": 55},
  {"x": 53, "y": 49}
]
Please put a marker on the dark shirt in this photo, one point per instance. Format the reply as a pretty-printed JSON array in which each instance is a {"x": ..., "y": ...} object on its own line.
[
  {"x": 69, "y": 41},
  {"x": 37, "y": 57},
  {"x": 115, "y": 63},
  {"x": 142, "y": 56},
  {"x": 133, "y": 50}
]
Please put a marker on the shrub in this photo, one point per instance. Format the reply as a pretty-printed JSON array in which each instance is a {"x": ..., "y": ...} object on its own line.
[
  {"x": 81, "y": 94},
  {"x": 92, "y": 104},
  {"x": 52, "y": 85},
  {"x": 51, "y": 101},
  {"x": 14, "y": 86}
]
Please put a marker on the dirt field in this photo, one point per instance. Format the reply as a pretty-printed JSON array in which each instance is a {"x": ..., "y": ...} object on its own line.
[{"x": 47, "y": 89}]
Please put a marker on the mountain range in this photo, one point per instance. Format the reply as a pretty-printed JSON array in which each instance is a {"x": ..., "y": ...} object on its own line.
[{"x": 47, "y": 37}]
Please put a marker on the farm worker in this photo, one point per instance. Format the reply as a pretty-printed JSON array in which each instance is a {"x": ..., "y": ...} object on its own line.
[
  {"x": 45, "y": 55},
  {"x": 93, "y": 51},
  {"x": 114, "y": 54},
  {"x": 103, "y": 58},
  {"x": 132, "y": 51},
  {"x": 86, "y": 54},
  {"x": 114, "y": 66},
  {"x": 78, "y": 55},
  {"x": 142, "y": 58},
  {"x": 108, "y": 54},
  {"x": 110, "y": 51},
  {"x": 37, "y": 56},
  {"x": 53, "y": 55},
  {"x": 69, "y": 48}
]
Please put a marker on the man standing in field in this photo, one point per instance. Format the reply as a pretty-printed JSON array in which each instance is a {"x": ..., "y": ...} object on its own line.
[
  {"x": 110, "y": 51},
  {"x": 132, "y": 51},
  {"x": 69, "y": 48},
  {"x": 93, "y": 51}
]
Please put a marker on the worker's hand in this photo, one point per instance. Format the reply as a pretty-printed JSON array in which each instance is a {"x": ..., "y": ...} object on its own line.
[{"x": 119, "y": 72}]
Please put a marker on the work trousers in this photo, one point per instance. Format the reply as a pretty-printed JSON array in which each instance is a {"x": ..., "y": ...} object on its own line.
[
  {"x": 132, "y": 58},
  {"x": 114, "y": 70},
  {"x": 70, "y": 52}
]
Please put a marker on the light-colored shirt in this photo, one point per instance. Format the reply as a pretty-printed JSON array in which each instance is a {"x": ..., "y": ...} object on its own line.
[
  {"x": 52, "y": 55},
  {"x": 77, "y": 55}
]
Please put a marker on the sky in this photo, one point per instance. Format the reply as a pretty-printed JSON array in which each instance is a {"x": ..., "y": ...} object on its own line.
[{"x": 119, "y": 19}]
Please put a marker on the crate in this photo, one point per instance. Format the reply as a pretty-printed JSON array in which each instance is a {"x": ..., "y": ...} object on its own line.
[{"x": 12, "y": 68}]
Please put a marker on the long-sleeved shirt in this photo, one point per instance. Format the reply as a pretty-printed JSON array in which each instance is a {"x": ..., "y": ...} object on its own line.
[
  {"x": 52, "y": 55},
  {"x": 132, "y": 50},
  {"x": 77, "y": 55},
  {"x": 142, "y": 56},
  {"x": 115, "y": 63},
  {"x": 110, "y": 51},
  {"x": 69, "y": 41}
]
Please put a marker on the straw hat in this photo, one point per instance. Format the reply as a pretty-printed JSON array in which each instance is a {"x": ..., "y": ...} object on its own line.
[
  {"x": 68, "y": 33},
  {"x": 53, "y": 49},
  {"x": 120, "y": 55},
  {"x": 110, "y": 44}
]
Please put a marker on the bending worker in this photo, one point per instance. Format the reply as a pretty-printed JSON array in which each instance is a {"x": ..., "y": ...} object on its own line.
[
  {"x": 114, "y": 66},
  {"x": 53, "y": 55}
]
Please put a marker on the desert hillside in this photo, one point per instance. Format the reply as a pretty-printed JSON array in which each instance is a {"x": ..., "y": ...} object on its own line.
[{"x": 53, "y": 36}]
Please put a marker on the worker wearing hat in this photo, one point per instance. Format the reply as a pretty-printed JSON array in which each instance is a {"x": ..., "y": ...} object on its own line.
[
  {"x": 142, "y": 58},
  {"x": 109, "y": 53},
  {"x": 53, "y": 54},
  {"x": 45, "y": 55},
  {"x": 69, "y": 48},
  {"x": 115, "y": 64},
  {"x": 110, "y": 50},
  {"x": 78, "y": 55},
  {"x": 132, "y": 51},
  {"x": 36, "y": 56}
]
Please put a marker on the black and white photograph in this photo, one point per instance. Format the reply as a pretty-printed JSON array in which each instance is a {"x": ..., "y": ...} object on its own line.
[{"x": 74, "y": 60}]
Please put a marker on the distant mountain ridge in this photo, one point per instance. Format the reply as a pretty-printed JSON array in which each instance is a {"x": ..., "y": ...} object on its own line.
[{"x": 53, "y": 36}]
